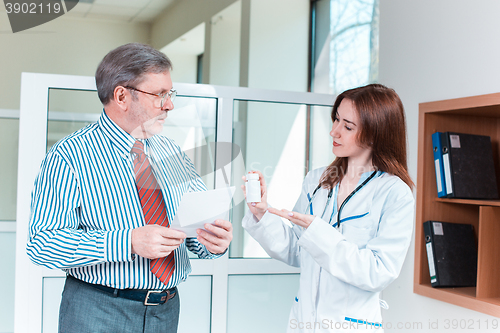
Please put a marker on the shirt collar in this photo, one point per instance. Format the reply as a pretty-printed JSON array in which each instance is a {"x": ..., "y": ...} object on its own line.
[
  {"x": 368, "y": 174},
  {"x": 122, "y": 140}
]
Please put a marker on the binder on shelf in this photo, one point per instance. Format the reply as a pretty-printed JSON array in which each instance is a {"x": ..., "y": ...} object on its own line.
[
  {"x": 468, "y": 168},
  {"x": 445, "y": 146},
  {"x": 438, "y": 164},
  {"x": 451, "y": 254}
]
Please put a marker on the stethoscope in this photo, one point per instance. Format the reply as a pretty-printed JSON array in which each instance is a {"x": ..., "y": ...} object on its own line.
[{"x": 330, "y": 193}]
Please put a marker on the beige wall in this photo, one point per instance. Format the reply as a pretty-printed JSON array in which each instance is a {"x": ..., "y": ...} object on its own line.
[
  {"x": 433, "y": 50},
  {"x": 225, "y": 46},
  {"x": 62, "y": 46},
  {"x": 183, "y": 16},
  {"x": 278, "y": 44}
]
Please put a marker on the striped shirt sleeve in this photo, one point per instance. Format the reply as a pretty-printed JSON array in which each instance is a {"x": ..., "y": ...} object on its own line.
[{"x": 56, "y": 238}]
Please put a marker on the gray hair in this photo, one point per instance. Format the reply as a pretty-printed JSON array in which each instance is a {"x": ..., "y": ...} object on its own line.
[{"x": 126, "y": 66}]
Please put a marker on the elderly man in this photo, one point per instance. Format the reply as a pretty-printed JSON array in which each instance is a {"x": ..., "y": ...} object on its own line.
[{"x": 103, "y": 202}]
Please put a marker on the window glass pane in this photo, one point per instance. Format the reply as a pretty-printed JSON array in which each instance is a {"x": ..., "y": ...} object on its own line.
[
  {"x": 196, "y": 304},
  {"x": 225, "y": 46},
  {"x": 191, "y": 124},
  {"x": 260, "y": 303},
  {"x": 7, "y": 278},
  {"x": 74, "y": 101},
  {"x": 9, "y": 136},
  {"x": 354, "y": 43},
  {"x": 346, "y": 44},
  {"x": 51, "y": 299},
  {"x": 320, "y": 148},
  {"x": 69, "y": 111},
  {"x": 272, "y": 138}
]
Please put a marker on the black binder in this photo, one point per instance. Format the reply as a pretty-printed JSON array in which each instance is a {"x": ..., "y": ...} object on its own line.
[
  {"x": 451, "y": 253},
  {"x": 468, "y": 166}
]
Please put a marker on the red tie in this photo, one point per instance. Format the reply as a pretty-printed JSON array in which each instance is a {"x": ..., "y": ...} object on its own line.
[{"x": 153, "y": 207}]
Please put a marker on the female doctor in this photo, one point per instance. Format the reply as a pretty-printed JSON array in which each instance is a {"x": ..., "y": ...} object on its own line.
[{"x": 353, "y": 221}]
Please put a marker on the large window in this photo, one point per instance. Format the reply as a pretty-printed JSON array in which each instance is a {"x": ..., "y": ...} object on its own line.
[{"x": 346, "y": 48}]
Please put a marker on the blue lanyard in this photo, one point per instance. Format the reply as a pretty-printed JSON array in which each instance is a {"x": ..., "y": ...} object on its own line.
[
  {"x": 330, "y": 193},
  {"x": 352, "y": 193}
]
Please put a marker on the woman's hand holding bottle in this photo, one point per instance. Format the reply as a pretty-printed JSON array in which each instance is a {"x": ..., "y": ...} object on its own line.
[{"x": 258, "y": 209}]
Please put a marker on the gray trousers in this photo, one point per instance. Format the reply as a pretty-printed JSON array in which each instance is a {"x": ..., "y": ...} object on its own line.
[{"x": 88, "y": 310}]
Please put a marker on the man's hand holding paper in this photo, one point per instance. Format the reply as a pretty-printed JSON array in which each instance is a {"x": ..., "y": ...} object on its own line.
[
  {"x": 217, "y": 236},
  {"x": 205, "y": 215}
]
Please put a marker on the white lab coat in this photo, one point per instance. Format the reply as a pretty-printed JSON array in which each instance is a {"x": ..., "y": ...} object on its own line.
[{"x": 342, "y": 270}]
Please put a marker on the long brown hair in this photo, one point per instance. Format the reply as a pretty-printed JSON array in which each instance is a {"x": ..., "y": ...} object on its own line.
[{"x": 383, "y": 128}]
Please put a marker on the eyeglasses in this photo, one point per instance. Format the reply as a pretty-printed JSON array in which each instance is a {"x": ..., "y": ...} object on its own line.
[{"x": 163, "y": 97}]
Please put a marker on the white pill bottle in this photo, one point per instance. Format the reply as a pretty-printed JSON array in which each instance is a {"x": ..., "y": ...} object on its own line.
[{"x": 253, "y": 187}]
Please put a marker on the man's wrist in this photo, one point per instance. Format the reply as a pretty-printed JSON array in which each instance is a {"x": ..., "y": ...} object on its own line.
[{"x": 218, "y": 254}]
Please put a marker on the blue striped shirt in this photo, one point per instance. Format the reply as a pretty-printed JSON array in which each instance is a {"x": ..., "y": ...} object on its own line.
[{"x": 85, "y": 204}]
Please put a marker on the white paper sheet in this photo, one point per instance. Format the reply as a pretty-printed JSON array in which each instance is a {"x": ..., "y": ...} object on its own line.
[{"x": 198, "y": 208}]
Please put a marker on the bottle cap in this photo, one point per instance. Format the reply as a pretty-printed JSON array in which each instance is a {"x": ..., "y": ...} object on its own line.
[{"x": 252, "y": 176}]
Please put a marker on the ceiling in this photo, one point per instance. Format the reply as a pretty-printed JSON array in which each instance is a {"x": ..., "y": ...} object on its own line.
[
  {"x": 117, "y": 10},
  {"x": 121, "y": 10}
]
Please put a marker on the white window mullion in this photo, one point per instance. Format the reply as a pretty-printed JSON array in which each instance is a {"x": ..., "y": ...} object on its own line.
[
  {"x": 220, "y": 275},
  {"x": 9, "y": 113},
  {"x": 219, "y": 294},
  {"x": 7, "y": 226}
]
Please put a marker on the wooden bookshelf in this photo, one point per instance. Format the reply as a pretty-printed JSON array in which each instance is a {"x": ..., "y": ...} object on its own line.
[
  {"x": 474, "y": 115},
  {"x": 495, "y": 203}
]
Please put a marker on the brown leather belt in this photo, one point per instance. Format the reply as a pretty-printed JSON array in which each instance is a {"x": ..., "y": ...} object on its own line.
[{"x": 147, "y": 297}]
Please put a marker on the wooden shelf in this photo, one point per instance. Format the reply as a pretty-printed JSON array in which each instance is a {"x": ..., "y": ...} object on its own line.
[
  {"x": 474, "y": 115},
  {"x": 494, "y": 203},
  {"x": 464, "y": 297}
]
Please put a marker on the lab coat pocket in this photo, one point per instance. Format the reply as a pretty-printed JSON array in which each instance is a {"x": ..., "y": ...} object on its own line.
[{"x": 357, "y": 235}]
